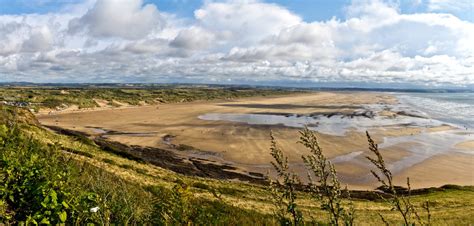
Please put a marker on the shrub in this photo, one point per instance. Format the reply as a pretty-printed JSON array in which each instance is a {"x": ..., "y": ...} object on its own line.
[
  {"x": 34, "y": 180},
  {"x": 41, "y": 185}
]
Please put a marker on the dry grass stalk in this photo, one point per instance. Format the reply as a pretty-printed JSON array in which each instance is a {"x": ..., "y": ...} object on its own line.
[
  {"x": 327, "y": 189},
  {"x": 399, "y": 202},
  {"x": 283, "y": 189}
]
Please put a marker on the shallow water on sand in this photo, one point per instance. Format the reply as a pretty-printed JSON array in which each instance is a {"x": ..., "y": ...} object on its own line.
[
  {"x": 427, "y": 144},
  {"x": 336, "y": 125}
]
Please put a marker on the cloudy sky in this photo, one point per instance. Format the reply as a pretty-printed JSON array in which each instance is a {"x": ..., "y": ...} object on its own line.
[{"x": 405, "y": 43}]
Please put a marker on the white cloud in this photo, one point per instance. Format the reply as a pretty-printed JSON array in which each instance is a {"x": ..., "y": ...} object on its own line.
[
  {"x": 450, "y": 5},
  {"x": 193, "y": 38},
  {"x": 40, "y": 39},
  {"x": 238, "y": 41},
  {"x": 244, "y": 22},
  {"x": 128, "y": 19}
]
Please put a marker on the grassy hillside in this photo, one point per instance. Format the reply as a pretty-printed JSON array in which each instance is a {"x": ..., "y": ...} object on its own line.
[{"x": 47, "y": 177}]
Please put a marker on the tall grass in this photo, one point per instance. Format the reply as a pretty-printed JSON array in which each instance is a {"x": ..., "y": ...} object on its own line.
[
  {"x": 401, "y": 203},
  {"x": 283, "y": 188},
  {"x": 327, "y": 188}
]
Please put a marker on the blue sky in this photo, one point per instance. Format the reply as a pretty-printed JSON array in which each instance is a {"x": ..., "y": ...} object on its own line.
[
  {"x": 415, "y": 43},
  {"x": 310, "y": 10}
]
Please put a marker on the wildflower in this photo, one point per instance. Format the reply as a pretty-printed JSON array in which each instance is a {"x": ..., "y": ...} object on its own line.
[{"x": 94, "y": 209}]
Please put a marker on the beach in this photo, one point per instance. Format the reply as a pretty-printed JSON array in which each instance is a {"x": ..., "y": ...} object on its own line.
[{"x": 237, "y": 133}]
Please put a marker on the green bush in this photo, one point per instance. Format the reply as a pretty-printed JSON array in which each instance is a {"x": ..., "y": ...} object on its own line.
[
  {"x": 32, "y": 188},
  {"x": 41, "y": 185}
]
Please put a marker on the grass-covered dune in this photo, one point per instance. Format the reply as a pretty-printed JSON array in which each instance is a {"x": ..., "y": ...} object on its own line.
[
  {"x": 91, "y": 97},
  {"x": 52, "y": 178}
]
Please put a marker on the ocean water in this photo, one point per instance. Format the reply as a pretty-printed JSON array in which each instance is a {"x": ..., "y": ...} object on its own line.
[{"x": 454, "y": 108}]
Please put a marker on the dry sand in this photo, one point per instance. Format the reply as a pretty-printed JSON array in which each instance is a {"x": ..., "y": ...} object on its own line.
[
  {"x": 440, "y": 170},
  {"x": 247, "y": 146}
]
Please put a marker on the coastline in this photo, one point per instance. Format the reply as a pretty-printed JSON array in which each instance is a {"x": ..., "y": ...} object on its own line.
[{"x": 245, "y": 146}]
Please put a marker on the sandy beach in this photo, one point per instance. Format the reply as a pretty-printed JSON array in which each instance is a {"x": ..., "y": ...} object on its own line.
[{"x": 179, "y": 128}]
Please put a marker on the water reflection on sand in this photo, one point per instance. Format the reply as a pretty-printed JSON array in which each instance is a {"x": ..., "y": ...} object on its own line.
[{"x": 427, "y": 143}]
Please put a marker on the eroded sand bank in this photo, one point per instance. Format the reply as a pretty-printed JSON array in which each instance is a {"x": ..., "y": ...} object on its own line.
[{"x": 246, "y": 145}]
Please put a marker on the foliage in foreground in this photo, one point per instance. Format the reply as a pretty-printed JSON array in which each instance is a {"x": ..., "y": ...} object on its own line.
[
  {"x": 32, "y": 188},
  {"x": 41, "y": 184},
  {"x": 327, "y": 189},
  {"x": 284, "y": 188},
  {"x": 399, "y": 202}
]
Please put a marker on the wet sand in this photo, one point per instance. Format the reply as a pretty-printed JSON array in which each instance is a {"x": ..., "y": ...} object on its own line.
[
  {"x": 467, "y": 145},
  {"x": 247, "y": 146}
]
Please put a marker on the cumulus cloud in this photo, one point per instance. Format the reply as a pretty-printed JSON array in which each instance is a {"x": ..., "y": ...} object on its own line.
[
  {"x": 117, "y": 18},
  {"x": 193, "y": 38},
  {"x": 244, "y": 21},
  {"x": 40, "y": 39},
  {"x": 241, "y": 41},
  {"x": 375, "y": 43}
]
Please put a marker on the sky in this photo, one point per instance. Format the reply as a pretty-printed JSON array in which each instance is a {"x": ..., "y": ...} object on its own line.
[{"x": 358, "y": 43}]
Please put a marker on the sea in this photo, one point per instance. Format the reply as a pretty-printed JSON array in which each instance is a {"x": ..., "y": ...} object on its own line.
[{"x": 453, "y": 108}]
